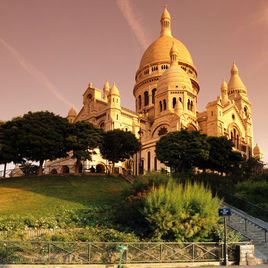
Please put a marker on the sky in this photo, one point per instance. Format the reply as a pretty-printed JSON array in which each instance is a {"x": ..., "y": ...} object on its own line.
[{"x": 51, "y": 49}]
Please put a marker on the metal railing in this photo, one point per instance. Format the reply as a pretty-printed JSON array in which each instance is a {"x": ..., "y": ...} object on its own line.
[
  {"x": 41, "y": 252},
  {"x": 244, "y": 229}
]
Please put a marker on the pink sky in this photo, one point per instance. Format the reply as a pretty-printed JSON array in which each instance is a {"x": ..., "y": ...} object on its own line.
[{"x": 51, "y": 49}]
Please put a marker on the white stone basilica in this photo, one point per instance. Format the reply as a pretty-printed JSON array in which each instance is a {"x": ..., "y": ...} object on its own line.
[{"x": 166, "y": 92}]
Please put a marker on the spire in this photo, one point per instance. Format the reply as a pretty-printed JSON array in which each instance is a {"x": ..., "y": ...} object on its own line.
[
  {"x": 106, "y": 90},
  {"x": 106, "y": 85},
  {"x": 114, "y": 90},
  {"x": 173, "y": 54},
  {"x": 165, "y": 22},
  {"x": 235, "y": 84},
  {"x": 224, "y": 85},
  {"x": 71, "y": 115},
  {"x": 224, "y": 95}
]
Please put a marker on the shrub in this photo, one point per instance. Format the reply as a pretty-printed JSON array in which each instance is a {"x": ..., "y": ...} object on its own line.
[
  {"x": 128, "y": 214},
  {"x": 218, "y": 233},
  {"x": 181, "y": 213}
]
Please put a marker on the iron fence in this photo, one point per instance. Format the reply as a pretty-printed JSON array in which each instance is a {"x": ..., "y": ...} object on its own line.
[{"x": 41, "y": 252}]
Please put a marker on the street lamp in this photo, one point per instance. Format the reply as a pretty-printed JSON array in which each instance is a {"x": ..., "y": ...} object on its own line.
[{"x": 140, "y": 132}]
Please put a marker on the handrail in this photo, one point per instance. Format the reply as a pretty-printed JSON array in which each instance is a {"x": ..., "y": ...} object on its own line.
[{"x": 247, "y": 218}]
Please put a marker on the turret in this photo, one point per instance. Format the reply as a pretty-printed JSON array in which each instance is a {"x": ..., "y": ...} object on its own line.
[
  {"x": 224, "y": 93},
  {"x": 235, "y": 85},
  {"x": 72, "y": 115},
  {"x": 257, "y": 152},
  {"x": 114, "y": 97},
  {"x": 165, "y": 23},
  {"x": 106, "y": 90},
  {"x": 173, "y": 55}
]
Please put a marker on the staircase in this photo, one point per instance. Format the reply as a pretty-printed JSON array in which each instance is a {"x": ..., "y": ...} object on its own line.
[
  {"x": 128, "y": 177},
  {"x": 253, "y": 228}
]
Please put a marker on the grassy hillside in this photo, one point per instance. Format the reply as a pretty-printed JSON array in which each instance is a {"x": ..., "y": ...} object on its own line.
[{"x": 48, "y": 196}]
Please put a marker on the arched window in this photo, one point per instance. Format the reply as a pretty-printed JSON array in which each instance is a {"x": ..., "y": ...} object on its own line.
[
  {"x": 235, "y": 138},
  {"x": 174, "y": 102},
  {"x": 246, "y": 111},
  {"x": 165, "y": 105},
  {"x": 153, "y": 95},
  {"x": 146, "y": 98},
  {"x": 160, "y": 105},
  {"x": 139, "y": 101},
  {"x": 149, "y": 161},
  {"x": 188, "y": 104},
  {"x": 191, "y": 106},
  {"x": 180, "y": 99}
]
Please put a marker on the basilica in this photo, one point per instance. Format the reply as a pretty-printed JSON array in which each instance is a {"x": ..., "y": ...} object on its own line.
[{"x": 166, "y": 92}]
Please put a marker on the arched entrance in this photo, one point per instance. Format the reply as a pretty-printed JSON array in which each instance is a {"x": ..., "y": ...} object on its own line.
[
  {"x": 65, "y": 169},
  {"x": 100, "y": 168}
]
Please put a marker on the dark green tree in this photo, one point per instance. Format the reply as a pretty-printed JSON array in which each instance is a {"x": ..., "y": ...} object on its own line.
[
  {"x": 119, "y": 145},
  {"x": 84, "y": 137},
  {"x": 222, "y": 158},
  {"x": 8, "y": 144},
  {"x": 182, "y": 150},
  {"x": 41, "y": 136},
  {"x": 250, "y": 167}
]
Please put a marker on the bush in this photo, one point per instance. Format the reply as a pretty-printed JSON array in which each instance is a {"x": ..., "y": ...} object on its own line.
[
  {"x": 218, "y": 232},
  {"x": 128, "y": 214},
  {"x": 181, "y": 213}
]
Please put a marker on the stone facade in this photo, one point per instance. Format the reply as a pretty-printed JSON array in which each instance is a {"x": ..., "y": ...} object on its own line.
[{"x": 166, "y": 92}]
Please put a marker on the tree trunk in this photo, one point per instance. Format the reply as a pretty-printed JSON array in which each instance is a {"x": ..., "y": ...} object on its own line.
[
  {"x": 113, "y": 169},
  {"x": 40, "y": 170},
  {"x": 77, "y": 165},
  {"x": 5, "y": 170}
]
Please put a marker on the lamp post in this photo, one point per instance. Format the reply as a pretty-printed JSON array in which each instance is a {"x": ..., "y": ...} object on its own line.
[{"x": 140, "y": 132}]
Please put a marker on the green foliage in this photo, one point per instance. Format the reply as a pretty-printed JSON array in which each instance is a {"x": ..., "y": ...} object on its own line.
[
  {"x": 83, "y": 138},
  {"x": 218, "y": 233},
  {"x": 222, "y": 158},
  {"x": 128, "y": 214},
  {"x": 87, "y": 234},
  {"x": 119, "y": 145},
  {"x": 251, "y": 167},
  {"x": 255, "y": 191},
  {"x": 8, "y": 139},
  {"x": 182, "y": 150},
  {"x": 181, "y": 213},
  {"x": 39, "y": 136}
]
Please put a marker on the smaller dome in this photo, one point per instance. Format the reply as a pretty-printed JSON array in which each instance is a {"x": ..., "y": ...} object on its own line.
[
  {"x": 235, "y": 82},
  {"x": 224, "y": 85},
  {"x": 257, "y": 150},
  {"x": 106, "y": 85},
  {"x": 174, "y": 76},
  {"x": 114, "y": 90},
  {"x": 72, "y": 112}
]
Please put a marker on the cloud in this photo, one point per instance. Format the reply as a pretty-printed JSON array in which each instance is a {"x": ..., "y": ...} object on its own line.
[
  {"x": 38, "y": 75},
  {"x": 133, "y": 21}
]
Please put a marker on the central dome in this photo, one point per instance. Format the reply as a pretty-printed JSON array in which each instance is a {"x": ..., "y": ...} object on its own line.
[{"x": 159, "y": 50}]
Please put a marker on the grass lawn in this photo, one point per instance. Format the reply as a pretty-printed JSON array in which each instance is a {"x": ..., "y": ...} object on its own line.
[{"x": 47, "y": 196}]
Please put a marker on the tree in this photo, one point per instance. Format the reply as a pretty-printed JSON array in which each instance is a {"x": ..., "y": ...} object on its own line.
[
  {"x": 222, "y": 158},
  {"x": 182, "y": 150},
  {"x": 84, "y": 137},
  {"x": 251, "y": 166},
  {"x": 41, "y": 136},
  {"x": 8, "y": 149},
  {"x": 119, "y": 145}
]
